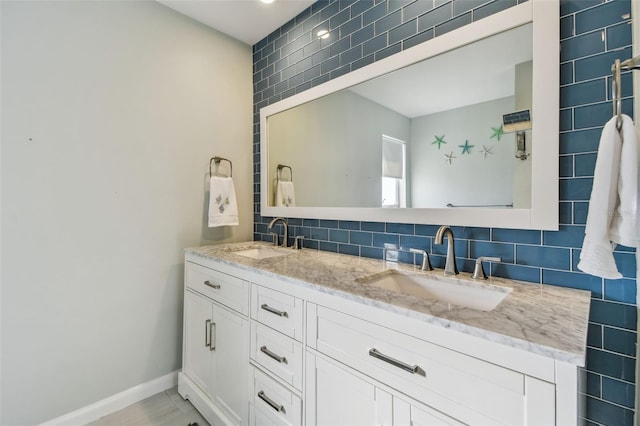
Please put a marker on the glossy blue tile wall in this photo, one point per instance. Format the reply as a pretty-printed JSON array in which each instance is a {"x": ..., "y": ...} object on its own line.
[{"x": 593, "y": 34}]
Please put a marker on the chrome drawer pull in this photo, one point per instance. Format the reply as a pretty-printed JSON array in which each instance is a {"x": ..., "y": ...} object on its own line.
[
  {"x": 274, "y": 311},
  {"x": 207, "y": 334},
  {"x": 212, "y": 336},
  {"x": 413, "y": 369},
  {"x": 270, "y": 354},
  {"x": 265, "y": 398},
  {"x": 212, "y": 285}
]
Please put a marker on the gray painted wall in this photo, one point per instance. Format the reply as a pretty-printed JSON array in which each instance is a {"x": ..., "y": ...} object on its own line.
[{"x": 110, "y": 113}]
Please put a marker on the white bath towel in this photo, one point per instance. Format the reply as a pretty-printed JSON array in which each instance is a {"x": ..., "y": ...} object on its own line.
[
  {"x": 223, "y": 209},
  {"x": 285, "y": 194},
  {"x": 613, "y": 207}
]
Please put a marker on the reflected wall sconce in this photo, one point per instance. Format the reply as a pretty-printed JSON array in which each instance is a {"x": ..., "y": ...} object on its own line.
[{"x": 518, "y": 122}]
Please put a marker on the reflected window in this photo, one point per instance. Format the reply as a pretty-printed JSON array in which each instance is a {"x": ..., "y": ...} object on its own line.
[{"x": 393, "y": 172}]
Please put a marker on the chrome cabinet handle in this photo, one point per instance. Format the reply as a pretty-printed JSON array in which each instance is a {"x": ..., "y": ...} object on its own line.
[
  {"x": 207, "y": 334},
  {"x": 212, "y": 336},
  {"x": 273, "y": 355},
  {"x": 265, "y": 398},
  {"x": 413, "y": 369},
  {"x": 274, "y": 311},
  {"x": 212, "y": 285}
]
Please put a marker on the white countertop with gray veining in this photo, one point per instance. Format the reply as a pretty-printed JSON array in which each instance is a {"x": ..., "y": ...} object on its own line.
[{"x": 543, "y": 319}]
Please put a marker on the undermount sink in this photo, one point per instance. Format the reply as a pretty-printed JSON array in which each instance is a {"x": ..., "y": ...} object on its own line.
[
  {"x": 262, "y": 252},
  {"x": 480, "y": 296}
]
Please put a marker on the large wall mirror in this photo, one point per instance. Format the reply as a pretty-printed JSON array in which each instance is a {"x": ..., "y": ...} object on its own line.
[{"x": 435, "y": 134}]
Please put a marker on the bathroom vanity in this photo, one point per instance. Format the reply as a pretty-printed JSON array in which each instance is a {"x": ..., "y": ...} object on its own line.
[{"x": 283, "y": 336}]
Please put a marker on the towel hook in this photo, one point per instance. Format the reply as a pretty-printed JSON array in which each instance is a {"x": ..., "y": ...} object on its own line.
[
  {"x": 279, "y": 170},
  {"x": 217, "y": 160}
]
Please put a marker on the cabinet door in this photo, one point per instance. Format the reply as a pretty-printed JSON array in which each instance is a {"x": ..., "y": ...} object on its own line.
[
  {"x": 335, "y": 397},
  {"x": 414, "y": 414},
  {"x": 198, "y": 313},
  {"x": 230, "y": 342}
]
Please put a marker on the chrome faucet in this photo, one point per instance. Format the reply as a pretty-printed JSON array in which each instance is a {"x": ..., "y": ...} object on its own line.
[
  {"x": 450, "y": 267},
  {"x": 426, "y": 264},
  {"x": 285, "y": 237}
]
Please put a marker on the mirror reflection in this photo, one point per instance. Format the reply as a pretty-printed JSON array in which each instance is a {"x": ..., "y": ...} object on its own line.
[{"x": 430, "y": 135}]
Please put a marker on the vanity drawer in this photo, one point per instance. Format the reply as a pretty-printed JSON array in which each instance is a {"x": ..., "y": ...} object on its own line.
[
  {"x": 279, "y": 354},
  {"x": 225, "y": 289},
  {"x": 272, "y": 403},
  {"x": 471, "y": 389},
  {"x": 277, "y": 310}
]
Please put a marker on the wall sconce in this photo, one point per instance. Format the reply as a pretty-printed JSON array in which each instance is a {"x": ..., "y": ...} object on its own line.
[
  {"x": 518, "y": 122},
  {"x": 521, "y": 146}
]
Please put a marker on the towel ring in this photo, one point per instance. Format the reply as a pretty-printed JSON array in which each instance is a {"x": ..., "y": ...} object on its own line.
[
  {"x": 217, "y": 160},
  {"x": 279, "y": 170},
  {"x": 617, "y": 93}
]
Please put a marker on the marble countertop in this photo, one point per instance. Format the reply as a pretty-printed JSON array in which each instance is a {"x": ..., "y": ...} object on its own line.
[{"x": 543, "y": 319}]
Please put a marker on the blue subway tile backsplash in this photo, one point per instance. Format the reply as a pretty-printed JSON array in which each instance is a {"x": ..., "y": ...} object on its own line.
[
  {"x": 574, "y": 280},
  {"x": 612, "y": 364},
  {"x": 620, "y": 341},
  {"x": 598, "y": 17},
  {"x": 544, "y": 257},
  {"x": 436, "y": 16},
  {"x": 361, "y": 238},
  {"x": 622, "y": 393},
  {"x": 623, "y": 290},
  {"x": 580, "y": 46},
  {"x": 593, "y": 34},
  {"x": 585, "y": 164},
  {"x": 594, "y": 339}
]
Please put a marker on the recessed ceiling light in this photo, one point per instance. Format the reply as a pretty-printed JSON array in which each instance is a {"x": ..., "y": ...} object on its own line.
[
  {"x": 323, "y": 34},
  {"x": 267, "y": 1}
]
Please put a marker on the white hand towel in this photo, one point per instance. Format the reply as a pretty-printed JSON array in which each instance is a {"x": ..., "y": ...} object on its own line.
[
  {"x": 624, "y": 227},
  {"x": 285, "y": 194},
  {"x": 613, "y": 205},
  {"x": 223, "y": 209}
]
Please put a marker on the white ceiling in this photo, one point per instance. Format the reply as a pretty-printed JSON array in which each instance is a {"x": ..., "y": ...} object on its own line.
[
  {"x": 246, "y": 20},
  {"x": 475, "y": 73}
]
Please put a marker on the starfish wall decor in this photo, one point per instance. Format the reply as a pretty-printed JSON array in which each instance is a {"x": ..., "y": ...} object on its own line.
[
  {"x": 439, "y": 140},
  {"x": 497, "y": 132},
  {"x": 466, "y": 148},
  {"x": 448, "y": 158},
  {"x": 486, "y": 151}
]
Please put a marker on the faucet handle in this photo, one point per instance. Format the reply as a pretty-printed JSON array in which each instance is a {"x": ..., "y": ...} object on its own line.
[
  {"x": 426, "y": 263},
  {"x": 275, "y": 237},
  {"x": 478, "y": 271},
  {"x": 297, "y": 242}
]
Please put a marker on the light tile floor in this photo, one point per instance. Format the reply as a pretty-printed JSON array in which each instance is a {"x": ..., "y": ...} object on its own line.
[{"x": 162, "y": 409}]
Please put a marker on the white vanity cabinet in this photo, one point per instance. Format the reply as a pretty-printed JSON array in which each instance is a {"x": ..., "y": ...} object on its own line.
[
  {"x": 263, "y": 350},
  {"x": 215, "y": 351}
]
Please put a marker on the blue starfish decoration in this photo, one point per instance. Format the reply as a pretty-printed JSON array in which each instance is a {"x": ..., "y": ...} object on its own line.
[
  {"x": 466, "y": 148},
  {"x": 497, "y": 132},
  {"x": 439, "y": 140}
]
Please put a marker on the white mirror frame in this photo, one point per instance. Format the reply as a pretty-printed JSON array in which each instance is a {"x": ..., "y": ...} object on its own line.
[{"x": 543, "y": 213}]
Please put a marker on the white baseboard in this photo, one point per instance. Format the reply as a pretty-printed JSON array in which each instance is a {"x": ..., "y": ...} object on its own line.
[{"x": 116, "y": 402}]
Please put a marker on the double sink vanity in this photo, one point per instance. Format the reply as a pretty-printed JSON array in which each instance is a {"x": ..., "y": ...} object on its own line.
[
  {"x": 275, "y": 335},
  {"x": 279, "y": 336}
]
